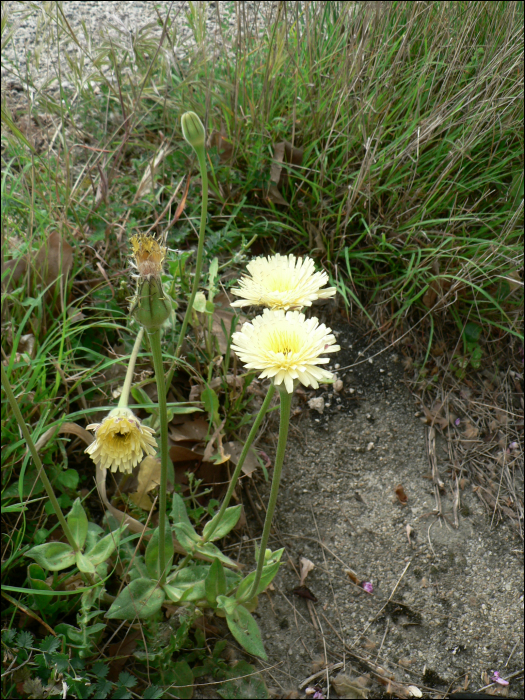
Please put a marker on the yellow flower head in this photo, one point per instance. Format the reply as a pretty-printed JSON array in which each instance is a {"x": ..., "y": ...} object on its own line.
[
  {"x": 286, "y": 346},
  {"x": 282, "y": 282},
  {"x": 148, "y": 256},
  {"x": 121, "y": 440}
]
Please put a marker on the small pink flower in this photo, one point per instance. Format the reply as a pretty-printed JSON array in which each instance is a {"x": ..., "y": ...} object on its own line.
[
  {"x": 367, "y": 586},
  {"x": 457, "y": 422},
  {"x": 497, "y": 679}
]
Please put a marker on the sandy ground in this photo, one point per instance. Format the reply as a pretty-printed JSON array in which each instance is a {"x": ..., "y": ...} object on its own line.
[{"x": 447, "y": 602}]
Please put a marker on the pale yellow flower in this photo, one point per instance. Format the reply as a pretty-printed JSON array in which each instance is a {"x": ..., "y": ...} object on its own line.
[
  {"x": 121, "y": 440},
  {"x": 282, "y": 282},
  {"x": 286, "y": 346}
]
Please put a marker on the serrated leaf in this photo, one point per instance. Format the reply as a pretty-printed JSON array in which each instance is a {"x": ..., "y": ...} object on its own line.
[
  {"x": 53, "y": 556},
  {"x": 152, "y": 553},
  {"x": 78, "y": 523},
  {"x": 227, "y": 523},
  {"x": 141, "y": 599},
  {"x": 246, "y": 631},
  {"x": 182, "y": 683},
  {"x": 215, "y": 583},
  {"x": 104, "y": 548}
]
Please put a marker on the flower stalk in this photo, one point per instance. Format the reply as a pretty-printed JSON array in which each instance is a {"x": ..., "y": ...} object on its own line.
[
  {"x": 36, "y": 459},
  {"x": 251, "y": 437},
  {"x": 284, "y": 422},
  {"x": 194, "y": 133},
  {"x": 156, "y": 351}
]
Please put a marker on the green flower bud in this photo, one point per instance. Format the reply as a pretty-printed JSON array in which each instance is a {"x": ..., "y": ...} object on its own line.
[
  {"x": 152, "y": 307},
  {"x": 193, "y": 130}
]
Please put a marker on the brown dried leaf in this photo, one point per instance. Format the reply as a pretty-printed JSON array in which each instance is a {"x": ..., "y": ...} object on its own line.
[
  {"x": 250, "y": 463},
  {"x": 191, "y": 430},
  {"x": 306, "y": 567},
  {"x": 353, "y": 577},
  {"x": 304, "y": 592},
  {"x": 178, "y": 453},
  {"x": 148, "y": 479},
  {"x": 401, "y": 495},
  {"x": 470, "y": 431},
  {"x": 55, "y": 257},
  {"x": 347, "y": 687},
  {"x": 225, "y": 148}
]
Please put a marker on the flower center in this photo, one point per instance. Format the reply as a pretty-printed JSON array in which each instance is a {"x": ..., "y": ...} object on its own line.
[{"x": 284, "y": 341}]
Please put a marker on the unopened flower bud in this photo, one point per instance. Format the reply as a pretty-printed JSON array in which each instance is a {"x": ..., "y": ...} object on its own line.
[
  {"x": 193, "y": 130},
  {"x": 152, "y": 306}
]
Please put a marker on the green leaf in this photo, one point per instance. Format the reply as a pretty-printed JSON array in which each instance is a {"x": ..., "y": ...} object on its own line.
[
  {"x": 69, "y": 479},
  {"x": 215, "y": 584},
  {"x": 268, "y": 574},
  {"x": 179, "y": 513},
  {"x": 227, "y": 604},
  {"x": 182, "y": 684},
  {"x": 199, "y": 303},
  {"x": 471, "y": 334},
  {"x": 152, "y": 553},
  {"x": 104, "y": 548},
  {"x": 53, "y": 556},
  {"x": 84, "y": 564},
  {"x": 228, "y": 522},
  {"x": 187, "y": 536},
  {"x": 141, "y": 599},
  {"x": 211, "y": 403},
  {"x": 37, "y": 580},
  {"x": 188, "y": 584},
  {"x": 245, "y": 630},
  {"x": 78, "y": 523},
  {"x": 210, "y": 550},
  {"x": 244, "y": 683}
]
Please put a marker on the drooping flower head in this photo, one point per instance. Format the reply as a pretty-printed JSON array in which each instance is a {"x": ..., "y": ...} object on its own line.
[
  {"x": 120, "y": 441},
  {"x": 151, "y": 306},
  {"x": 282, "y": 282},
  {"x": 286, "y": 346}
]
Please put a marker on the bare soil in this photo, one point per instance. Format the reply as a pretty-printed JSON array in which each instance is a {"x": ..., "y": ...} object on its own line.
[{"x": 447, "y": 603}]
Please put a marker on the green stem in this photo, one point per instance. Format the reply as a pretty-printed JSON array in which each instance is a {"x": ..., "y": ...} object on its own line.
[
  {"x": 124, "y": 397},
  {"x": 198, "y": 266},
  {"x": 154, "y": 339},
  {"x": 286, "y": 403},
  {"x": 247, "y": 445},
  {"x": 36, "y": 459}
]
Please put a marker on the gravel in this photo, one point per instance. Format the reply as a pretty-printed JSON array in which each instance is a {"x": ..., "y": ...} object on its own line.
[{"x": 30, "y": 46}]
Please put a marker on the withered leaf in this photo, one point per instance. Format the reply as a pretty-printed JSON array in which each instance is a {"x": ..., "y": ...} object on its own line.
[
  {"x": 148, "y": 479},
  {"x": 304, "y": 592},
  {"x": 401, "y": 495},
  {"x": 306, "y": 567},
  {"x": 191, "y": 430},
  {"x": 347, "y": 687},
  {"x": 250, "y": 463}
]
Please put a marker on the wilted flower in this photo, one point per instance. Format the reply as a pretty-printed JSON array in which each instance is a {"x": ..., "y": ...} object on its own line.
[
  {"x": 282, "y": 282},
  {"x": 367, "y": 586},
  {"x": 457, "y": 422},
  {"x": 150, "y": 307},
  {"x": 286, "y": 346},
  {"x": 120, "y": 441},
  {"x": 497, "y": 678}
]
